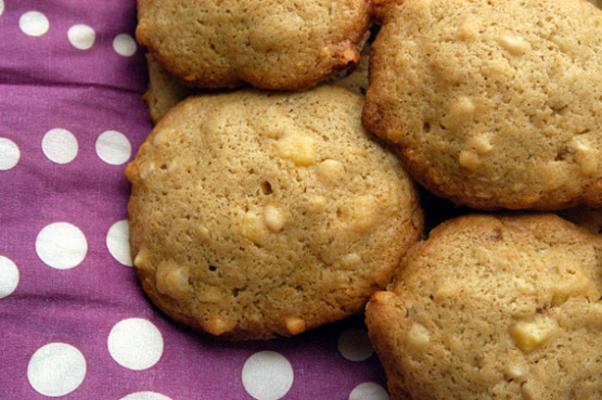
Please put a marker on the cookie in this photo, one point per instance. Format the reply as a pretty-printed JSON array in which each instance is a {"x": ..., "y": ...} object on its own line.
[
  {"x": 270, "y": 44},
  {"x": 164, "y": 91},
  {"x": 488, "y": 307},
  {"x": 585, "y": 217},
  {"x": 492, "y": 103},
  {"x": 597, "y": 3},
  {"x": 255, "y": 215}
]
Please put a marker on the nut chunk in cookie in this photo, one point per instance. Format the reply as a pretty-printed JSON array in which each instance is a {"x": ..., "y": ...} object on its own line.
[
  {"x": 494, "y": 307},
  {"x": 255, "y": 215},
  {"x": 492, "y": 103},
  {"x": 270, "y": 44}
]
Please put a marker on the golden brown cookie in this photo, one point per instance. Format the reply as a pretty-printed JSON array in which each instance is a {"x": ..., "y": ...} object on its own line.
[
  {"x": 492, "y": 103},
  {"x": 490, "y": 307},
  {"x": 254, "y": 215},
  {"x": 270, "y": 44},
  {"x": 164, "y": 91}
]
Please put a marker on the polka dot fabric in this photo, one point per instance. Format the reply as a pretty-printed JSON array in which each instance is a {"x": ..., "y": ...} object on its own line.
[{"x": 74, "y": 323}]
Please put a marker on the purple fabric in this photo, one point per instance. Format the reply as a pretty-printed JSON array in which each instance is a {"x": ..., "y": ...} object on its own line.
[{"x": 47, "y": 83}]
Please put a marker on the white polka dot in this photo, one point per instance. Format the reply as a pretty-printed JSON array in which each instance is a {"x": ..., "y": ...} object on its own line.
[
  {"x": 56, "y": 369},
  {"x": 113, "y": 147},
  {"x": 59, "y": 145},
  {"x": 61, "y": 245},
  {"x": 368, "y": 391},
  {"x": 145, "y": 396},
  {"x": 135, "y": 343},
  {"x": 81, "y": 36},
  {"x": 354, "y": 344},
  {"x": 118, "y": 242},
  {"x": 1, "y": 6},
  {"x": 9, "y": 276},
  {"x": 267, "y": 375},
  {"x": 34, "y": 23},
  {"x": 124, "y": 45},
  {"x": 9, "y": 154}
]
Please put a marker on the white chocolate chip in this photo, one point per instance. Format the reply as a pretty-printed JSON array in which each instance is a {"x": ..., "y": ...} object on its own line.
[
  {"x": 364, "y": 213},
  {"x": 351, "y": 260},
  {"x": 172, "y": 280},
  {"x": 572, "y": 284},
  {"x": 274, "y": 218},
  {"x": 514, "y": 44},
  {"x": 586, "y": 155},
  {"x": 164, "y": 136},
  {"x": 480, "y": 144},
  {"x": 460, "y": 111},
  {"x": 173, "y": 166},
  {"x": 253, "y": 228},
  {"x": 469, "y": 29},
  {"x": 553, "y": 174},
  {"x": 573, "y": 74},
  {"x": 382, "y": 297},
  {"x": 446, "y": 290},
  {"x": 331, "y": 171},
  {"x": 418, "y": 336},
  {"x": 160, "y": 138},
  {"x": 498, "y": 69},
  {"x": 529, "y": 335},
  {"x": 295, "y": 325},
  {"x": 203, "y": 232},
  {"x": 218, "y": 325},
  {"x": 464, "y": 106},
  {"x": 146, "y": 168},
  {"x": 298, "y": 148},
  {"x": 326, "y": 52},
  {"x": 515, "y": 371},
  {"x": 531, "y": 390},
  {"x": 518, "y": 187},
  {"x": 142, "y": 259},
  {"x": 563, "y": 43},
  {"x": 317, "y": 202},
  {"x": 469, "y": 159}
]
